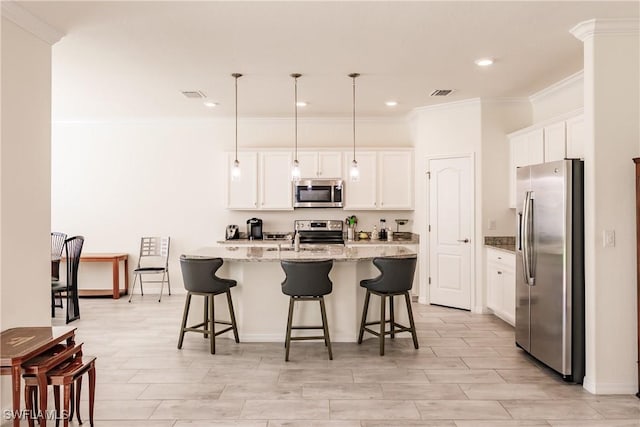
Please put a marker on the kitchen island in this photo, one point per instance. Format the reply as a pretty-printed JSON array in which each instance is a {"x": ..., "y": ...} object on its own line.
[{"x": 261, "y": 307}]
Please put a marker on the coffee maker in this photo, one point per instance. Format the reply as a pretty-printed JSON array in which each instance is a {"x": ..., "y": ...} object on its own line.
[
  {"x": 254, "y": 229},
  {"x": 232, "y": 232}
]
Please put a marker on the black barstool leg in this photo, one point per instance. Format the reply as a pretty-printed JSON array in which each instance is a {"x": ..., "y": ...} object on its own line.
[
  {"x": 233, "y": 316},
  {"x": 383, "y": 301},
  {"x": 141, "y": 287},
  {"x": 325, "y": 327},
  {"x": 411, "y": 323},
  {"x": 287, "y": 341},
  {"x": 212, "y": 325},
  {"x": 365, "y": 309},
  {"x": 205, "y": 321},
  {"x": 392, "y": 317},
  {"x": 184, "y": 319}
]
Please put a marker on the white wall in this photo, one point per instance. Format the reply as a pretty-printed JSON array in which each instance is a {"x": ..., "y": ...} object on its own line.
[
  {"x": 444, "y": 129},
  {"x": 612, "y": 132},
  {"x": 24, "y": 183},
  {"x": 116, "y": 181},
  {"x": 499, "y": 118}
]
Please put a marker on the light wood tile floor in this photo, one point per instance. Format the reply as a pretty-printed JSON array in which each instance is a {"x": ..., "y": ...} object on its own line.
[{"x": 467, "y": 372}]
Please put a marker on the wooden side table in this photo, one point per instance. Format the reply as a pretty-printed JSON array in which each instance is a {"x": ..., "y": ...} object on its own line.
[
  {"x": 114, "y": 259},
  {"x": 18, "y": 345}
]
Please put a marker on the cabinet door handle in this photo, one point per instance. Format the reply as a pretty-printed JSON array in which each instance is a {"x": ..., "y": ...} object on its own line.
[{"x": 499, "y": 272}]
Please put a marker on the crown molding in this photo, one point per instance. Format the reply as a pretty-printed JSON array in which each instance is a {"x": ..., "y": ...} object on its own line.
[
  {"x": 225, "y": 120},
  {"x": 30, "y": 23},
  {"x": 606, "y": 27},
  {"x": 557, "y": 86}
]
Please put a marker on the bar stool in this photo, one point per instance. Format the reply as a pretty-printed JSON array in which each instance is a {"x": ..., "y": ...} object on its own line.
[
  {"x": 199, "y": 275},
  {"x": 307, "y": 281},
  {"x": 396, "y": 278}
]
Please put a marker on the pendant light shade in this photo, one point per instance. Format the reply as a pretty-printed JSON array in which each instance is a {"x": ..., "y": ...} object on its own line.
[
  {"x": 354, "y": 172},
  {"x": 295, "y": 168},
  {"x": 235, "y": 169}
]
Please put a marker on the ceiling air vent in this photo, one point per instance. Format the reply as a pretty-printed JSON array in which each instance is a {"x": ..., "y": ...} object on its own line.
[
  {"x": 441, "y": 92},
  {"x": 194, "y": 94}
]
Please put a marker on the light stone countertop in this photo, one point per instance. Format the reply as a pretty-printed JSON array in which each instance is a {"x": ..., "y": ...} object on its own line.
[
  {"x": 273, "y": 253},
  {"x": 504, "y": 248}
]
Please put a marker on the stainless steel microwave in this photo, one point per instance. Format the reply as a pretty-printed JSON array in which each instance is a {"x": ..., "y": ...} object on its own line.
[{"x": 318, "y": 193}]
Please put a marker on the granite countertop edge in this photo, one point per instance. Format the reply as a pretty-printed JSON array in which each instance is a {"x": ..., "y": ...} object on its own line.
[{"x": 505, "y": 248}]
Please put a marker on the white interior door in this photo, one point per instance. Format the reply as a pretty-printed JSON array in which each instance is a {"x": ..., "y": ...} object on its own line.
[{"x": 451, "y": 231}]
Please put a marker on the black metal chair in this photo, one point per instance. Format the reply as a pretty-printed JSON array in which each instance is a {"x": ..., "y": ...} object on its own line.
[
  {"x": 73, "y": 250},
  {"x": 154, "y": 260},
  {"x": 396, "y": 278},
  {"x": 307, "y": 281},
  {"x": 199, "y": 275}
]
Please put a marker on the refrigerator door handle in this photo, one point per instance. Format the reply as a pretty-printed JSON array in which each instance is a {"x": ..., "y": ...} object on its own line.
[
  {"x": 523, "y": 238},
  {"x": 529, "y": 251}
]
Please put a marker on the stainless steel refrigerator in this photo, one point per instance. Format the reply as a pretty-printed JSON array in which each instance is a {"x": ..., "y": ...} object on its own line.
[{"x": 550, "y": 265}]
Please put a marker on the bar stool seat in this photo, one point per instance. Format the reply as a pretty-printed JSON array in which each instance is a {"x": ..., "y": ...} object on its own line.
[
  {"x": 307, "y": 281},
  {"x": 199, "y": 275},
  {"x": 396, "y": 278}
]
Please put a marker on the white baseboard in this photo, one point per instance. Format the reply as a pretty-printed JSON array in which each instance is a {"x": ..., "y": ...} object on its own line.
[{"x": 609, "y": 388}]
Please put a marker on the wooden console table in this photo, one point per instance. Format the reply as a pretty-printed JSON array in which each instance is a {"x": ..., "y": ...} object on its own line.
[
  {"x": 114, "y": 259},
  {"x": 18, "y": 345}
]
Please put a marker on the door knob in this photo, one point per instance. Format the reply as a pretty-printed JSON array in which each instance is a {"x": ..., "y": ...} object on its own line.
[{"x": 464, "y": 241}]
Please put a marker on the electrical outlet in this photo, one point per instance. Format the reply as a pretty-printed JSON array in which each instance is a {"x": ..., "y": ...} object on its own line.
[
  {"x": 492, "y": 224},
  {"x": 609, "y": 238}
]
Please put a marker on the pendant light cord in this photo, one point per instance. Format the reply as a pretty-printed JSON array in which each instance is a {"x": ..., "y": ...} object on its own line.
[
  {"x": 236, "y": 76},
  {"x": 296, "y": 116},
  {"x": 353, "y": 77},
  {"x": 236, "y": 87}
]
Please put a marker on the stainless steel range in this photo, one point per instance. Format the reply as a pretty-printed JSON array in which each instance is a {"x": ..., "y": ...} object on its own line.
[{"x": 320, "y": 231}]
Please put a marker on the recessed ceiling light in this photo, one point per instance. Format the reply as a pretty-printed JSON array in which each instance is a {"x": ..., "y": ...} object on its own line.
[
  {"x": 301, "y": 104},
  {"x": 210, "y": 104},
  {"x": 484, "y": 62},
  {"x": 391, "y": 103}
]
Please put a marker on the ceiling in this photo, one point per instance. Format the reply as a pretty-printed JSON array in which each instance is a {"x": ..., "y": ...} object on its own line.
[{"x": 131, "y": 60}]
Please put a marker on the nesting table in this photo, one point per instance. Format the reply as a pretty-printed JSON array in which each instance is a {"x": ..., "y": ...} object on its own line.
[{"x": 18, "y": 345}]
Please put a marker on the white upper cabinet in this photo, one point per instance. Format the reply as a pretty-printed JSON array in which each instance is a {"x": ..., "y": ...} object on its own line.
[
  {"x": 575, "y": 137},
  {"x": 361, "y": 194},
  {"x": 386, "y": 181},
  {"x": 330, "y": 164},
  {"x": 275, "y": 187},
  {"x": 395, "y": 180},
  {"x": 557, "y": 140},
  {"x": 264, "y": 184},
  {"x": 554, "y": 142},
  {"x": 320, "y": 164},
  {"x": 526, "y": 149},
  {"x": 243, "y": 193}
]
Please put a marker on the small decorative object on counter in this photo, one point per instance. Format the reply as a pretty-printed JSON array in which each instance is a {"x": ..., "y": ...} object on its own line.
[
  {"x": 389, "y": 236},
  {"x": 374, "y": 233},
  {"x": 383, "y": 229},
  {"x": 351, "y": 222}
]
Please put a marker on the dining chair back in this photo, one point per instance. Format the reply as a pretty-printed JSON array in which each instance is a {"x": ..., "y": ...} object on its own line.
[
  {"x": 153, "y": 259},
  {"x": 57, "y": 246},
  {"x": 73, "y": 250}
]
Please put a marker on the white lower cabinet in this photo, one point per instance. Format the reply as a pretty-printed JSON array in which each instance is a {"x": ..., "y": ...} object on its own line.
[{"x": 501, "y": 284}]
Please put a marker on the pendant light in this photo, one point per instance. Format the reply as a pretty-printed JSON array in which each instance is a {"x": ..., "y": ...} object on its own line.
[
  {"x": 295, "y": 169},
  {"x": 354, "y": 172},
  {"x": 235, "y": 170}
]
